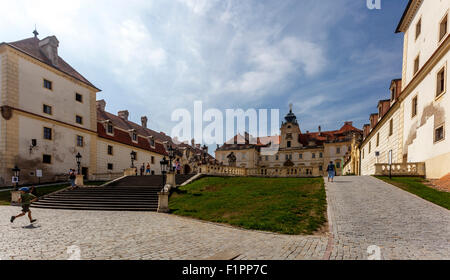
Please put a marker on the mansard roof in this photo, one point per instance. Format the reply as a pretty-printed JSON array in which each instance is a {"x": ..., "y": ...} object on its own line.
[{"x": 31, "y": 47}]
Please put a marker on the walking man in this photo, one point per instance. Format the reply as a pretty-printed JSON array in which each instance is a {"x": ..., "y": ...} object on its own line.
[
  {"x": 142, "y": 169},
  {"x": 72, "y": 178},
  {"x": 331, "y": 169},
  {"x": 26, "y": 198}
]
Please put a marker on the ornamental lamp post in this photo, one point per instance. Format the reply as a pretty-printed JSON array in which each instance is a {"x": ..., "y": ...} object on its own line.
[
  {"x": 78, "y": 157},
  {"x": 171, "y": 151},
  {"x": 133, "y": 158},
  {"x": 16, "y": 172},
  {"x": 164, "y": 163}
]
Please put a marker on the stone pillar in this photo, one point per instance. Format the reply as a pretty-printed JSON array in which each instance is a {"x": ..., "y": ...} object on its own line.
[
  {"x": 163, "y": 202},
  {"x": 15, "y": 195},
  {"x": 79, "y": 181},
  {"x": 171, "y": 179}
]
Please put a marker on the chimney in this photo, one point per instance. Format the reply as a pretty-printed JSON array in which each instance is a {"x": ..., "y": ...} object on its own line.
[
  {"x": 123, "y": 114},
  {"x": 349, "y": 123},
  {"x": 144, "y": 121},
  {"x": 49, "y": 46},
  {"x": 101, "y": 104},
  {"x": 193, "y": 142},
  {"x": 320, "y": 130}
]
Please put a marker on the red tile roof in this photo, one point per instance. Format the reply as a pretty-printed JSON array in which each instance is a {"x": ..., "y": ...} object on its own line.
[{"x": 31, "y": 47}]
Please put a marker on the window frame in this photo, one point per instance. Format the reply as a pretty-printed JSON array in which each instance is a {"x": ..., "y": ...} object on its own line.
[
  {"x": 444, "y": 69},
  {"x": 418, "y": 24},
  {"x": 435, "y": 141},
  {"x": 414, "y": 106},
  {"x": 51, "y": 109},
  {"x": 417, "y": 58},
  {"x": 78, "y": 94},
  {"x": 49, "y": 156},
  {"x": 44, "y": 81},
  {"x": 441, "y": 39},
  {"x": 81, "y": 119},
  {"x": 108, "y": 150},
  {"x": 78, "y": 138},
  {"x": 51, "y": 133}
]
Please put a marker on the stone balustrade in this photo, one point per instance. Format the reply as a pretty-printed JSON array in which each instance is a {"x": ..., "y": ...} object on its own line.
[
  {"x": 401, "y": 169},
  {"x": 261, "y": 172}
]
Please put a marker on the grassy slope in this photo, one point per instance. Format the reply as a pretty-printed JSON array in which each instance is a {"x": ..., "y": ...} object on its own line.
[
  {"x": 415, "y": 185},
  {"x": 284, "y": 205}
]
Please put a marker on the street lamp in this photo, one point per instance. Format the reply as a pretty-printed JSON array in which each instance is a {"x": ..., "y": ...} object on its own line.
[
  {"x": 164, "y": 163},
  {"x": 171, "y": 151},
  {"x": 133, "y": 158},
  {"x": 78, "y": 156},
  {"x": 16, "y": 172}
]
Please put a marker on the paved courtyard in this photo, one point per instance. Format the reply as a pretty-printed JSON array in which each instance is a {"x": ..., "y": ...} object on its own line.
[
  {"x": 363, "y": 212},
  {"x": 366, "y": 211},
  {"x": 137, "y": 235}
]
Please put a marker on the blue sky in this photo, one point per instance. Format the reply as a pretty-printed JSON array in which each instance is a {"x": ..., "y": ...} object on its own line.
[{"x": 333, "y": 59}]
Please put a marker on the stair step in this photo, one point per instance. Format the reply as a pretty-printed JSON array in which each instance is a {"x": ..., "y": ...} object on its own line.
[{"x": 146, "y": 209}]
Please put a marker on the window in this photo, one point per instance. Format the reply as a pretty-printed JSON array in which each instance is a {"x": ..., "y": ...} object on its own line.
[
  {"x": 79, "y": 119},
  {"x": 153, "y": 160},
  {"x": 414, "y": 107},
  {"x": 277, "y": 157},
  {"x": 338, "y": 150},
  {"x": 418, "y": 28},
  {"x": 391, "y": 127},
  {"x": 134, "y": 136},
  {"x": 314, "y": 155},
  {"x": 80, "y": 141},
  {"x": 267, "y": 158},
  {"x": 287, "y": 157},
  {"x": 378, "y": 139},
  {"x": 393, "y": 93},
  {"x": 289, "y": 136},
  {"x": 416, "y": 64},
  {"x": 321, "y": 155},
  {"x": 300, "y": 156},
  {"x": 290, "y": 157},
  {"x": 47, "y": 133},
  {"x": 47, "y": 109},
  {"x": 288, "y": 144},
  {"x": 443, "y": 28},
  {"x": 152, "y": 142},
  {"x": 439, "y": 134},
  {"x": 110, "y": 150},
  {"x": 48, "y": 84},
  {"x": 110, "y": 128},
  {"x": 338, "y": 165},
  {"x": 47, "y": 159},
  {"x": 370, "y": 147},
  {"x": 79, "y": 97},
  {"x": 363, "y": 154},
  {"x": 441, "y": 83},
  {"x": 110, "y": 166},
  {"x": 321, "y": 168}
]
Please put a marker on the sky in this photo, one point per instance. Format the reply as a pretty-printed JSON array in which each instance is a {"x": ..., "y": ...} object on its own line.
[{"x": 332, "y": 59}]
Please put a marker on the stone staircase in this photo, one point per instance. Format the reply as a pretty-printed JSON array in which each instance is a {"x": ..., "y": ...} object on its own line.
[{"x": 134, "y": 193}]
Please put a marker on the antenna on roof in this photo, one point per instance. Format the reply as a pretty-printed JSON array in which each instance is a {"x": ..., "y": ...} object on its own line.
[{"x": 35, "y": 31}]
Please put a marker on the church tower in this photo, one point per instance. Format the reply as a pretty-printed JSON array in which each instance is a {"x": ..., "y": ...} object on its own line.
[{"x": 290, "y": 131}]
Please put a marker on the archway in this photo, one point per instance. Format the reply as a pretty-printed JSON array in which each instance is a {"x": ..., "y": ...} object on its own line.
[{"x": 187, "y": 169}]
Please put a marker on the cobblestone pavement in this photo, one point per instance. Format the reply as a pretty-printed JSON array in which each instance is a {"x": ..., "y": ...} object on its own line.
[
  {"x": 365, "y": 211},
  {"x": 141, "y": 235}
]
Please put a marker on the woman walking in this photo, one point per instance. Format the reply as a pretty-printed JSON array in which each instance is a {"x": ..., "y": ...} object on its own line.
[{"x": 331, "y": 171}]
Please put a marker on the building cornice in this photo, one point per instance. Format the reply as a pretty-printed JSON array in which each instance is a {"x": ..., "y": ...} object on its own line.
[{"x": 408, "y": 15}]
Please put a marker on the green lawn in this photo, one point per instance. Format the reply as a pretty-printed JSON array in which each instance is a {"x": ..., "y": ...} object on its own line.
[
  {"x": 415, "y": 185},
  {"x": 283, "y": 205}
]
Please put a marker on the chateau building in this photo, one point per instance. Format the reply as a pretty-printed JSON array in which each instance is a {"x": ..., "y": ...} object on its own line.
[
  {"x": 49, "y": 114},
  {"x": 307, "y": 151},
  {"x": 413, "y": 128}
]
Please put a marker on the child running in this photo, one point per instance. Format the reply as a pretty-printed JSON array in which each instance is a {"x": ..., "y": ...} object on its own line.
[{"x": 26, "y": 198}]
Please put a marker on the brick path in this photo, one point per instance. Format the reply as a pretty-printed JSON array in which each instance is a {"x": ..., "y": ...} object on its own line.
[
  {"x": 142, "y": 235},
  {"x": 365, "y": 211}
]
